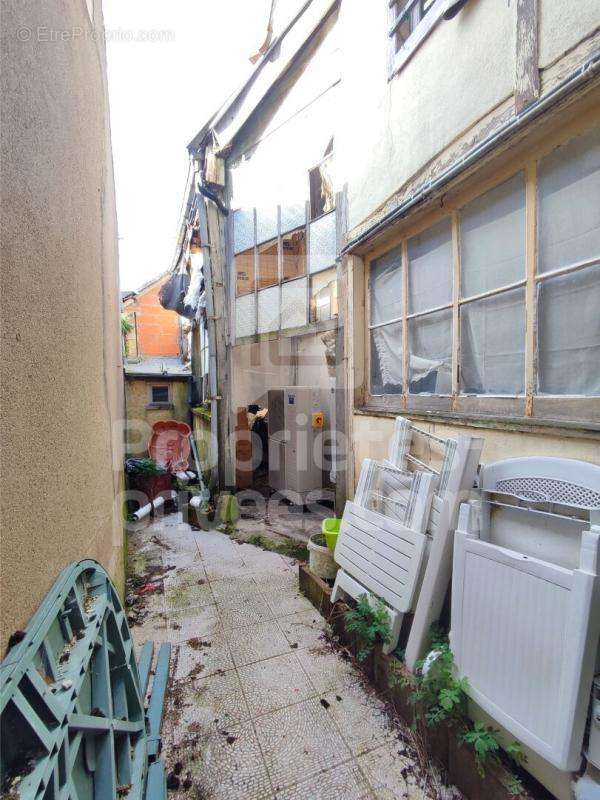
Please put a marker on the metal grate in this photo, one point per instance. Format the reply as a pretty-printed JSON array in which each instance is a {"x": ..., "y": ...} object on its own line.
[{"x": 549, "y": 490}]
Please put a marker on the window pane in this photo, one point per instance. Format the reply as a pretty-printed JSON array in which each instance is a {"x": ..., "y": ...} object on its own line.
[
  {"x": 386, "y": 287},
  {"x": 492, "y": 238},
  {"x": 492, "y": 345},
  {"x": 386, "y": 359},
  {"x": 569, "y": 334},
  {"x": 569, "y": 203},
  {"x": 294, "y": 254},
  {"x": 323, "y": 295},
  {"x": 160, "y": 394},
  {"x": 430, "y": 364},
  {"x": 268, "y": 273},
  {"x": 430, "y": 268},
  {"x": 244, "y": 272}
]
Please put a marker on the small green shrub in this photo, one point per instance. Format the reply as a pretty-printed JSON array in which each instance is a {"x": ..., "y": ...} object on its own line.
[
  {"x": 370, "y": 624},
  {"x": 484, "y": 741},
  {"x": 437, "y": 694},
  {"x": 126, "y": 325}
]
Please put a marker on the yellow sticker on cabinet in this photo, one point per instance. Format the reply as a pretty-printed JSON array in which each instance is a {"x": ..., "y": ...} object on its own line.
[{"x": 318, "y": 419}]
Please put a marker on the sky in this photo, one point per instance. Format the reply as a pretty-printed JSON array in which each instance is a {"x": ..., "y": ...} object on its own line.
[{"x": 170, "y": 66}]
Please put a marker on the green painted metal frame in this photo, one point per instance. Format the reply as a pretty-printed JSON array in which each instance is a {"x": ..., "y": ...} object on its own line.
[{"x": 73, "y": 720}]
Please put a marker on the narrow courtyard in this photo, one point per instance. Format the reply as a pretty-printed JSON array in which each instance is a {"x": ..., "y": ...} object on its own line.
[{"x": 262, "y": 702}]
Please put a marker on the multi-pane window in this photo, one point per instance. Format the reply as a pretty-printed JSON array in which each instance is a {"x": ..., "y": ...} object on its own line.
[
  {"x": 405, "y": 15},
  {"x": 159, "y": 394},
  {"x": 466, "y": 307}
]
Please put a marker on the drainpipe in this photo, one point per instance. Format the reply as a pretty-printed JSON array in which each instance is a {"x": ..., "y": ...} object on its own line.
[{"x": 584, "y": 74}]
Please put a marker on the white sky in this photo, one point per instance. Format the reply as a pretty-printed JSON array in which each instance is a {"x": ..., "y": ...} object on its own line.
[{"x": 161, "y": 93}]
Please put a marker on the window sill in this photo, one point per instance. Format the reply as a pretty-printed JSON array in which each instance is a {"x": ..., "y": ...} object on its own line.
[
  {"x": 159, "y": 405},
  {"x": 561, "y": 427},
  {"x": 417, "y": 37}
]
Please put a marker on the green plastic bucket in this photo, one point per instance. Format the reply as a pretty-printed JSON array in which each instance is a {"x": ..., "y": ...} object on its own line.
[{"x": 331, "y": 529}]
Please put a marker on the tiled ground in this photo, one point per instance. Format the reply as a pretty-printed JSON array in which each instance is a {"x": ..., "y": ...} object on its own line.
[{"x": 260, "y": 706}]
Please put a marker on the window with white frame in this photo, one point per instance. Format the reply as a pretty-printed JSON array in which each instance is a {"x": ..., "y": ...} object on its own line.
[
  {"x": 465, "y": 308},
  {"x": 409, "y": 23}
]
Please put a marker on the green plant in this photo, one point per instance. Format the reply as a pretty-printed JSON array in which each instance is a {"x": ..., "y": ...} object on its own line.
[
  {"x": 370, "y": 624},
  {"x": 143, "y": 466},
  {"x": 202, "y": 411},
  {"x": 437, "y": 694},
  {"x": 484, "y": 741},
  {"x": 126, "y": 325},
  {"x": 514, "y": 786}
]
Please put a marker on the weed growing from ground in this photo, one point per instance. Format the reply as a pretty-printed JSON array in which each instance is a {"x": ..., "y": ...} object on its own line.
[{"x": 370, "y": 624}]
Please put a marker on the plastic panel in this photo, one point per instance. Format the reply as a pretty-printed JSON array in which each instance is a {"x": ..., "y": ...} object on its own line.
[
  {"x": 322, "y": 243},
  {"x": 292, "y": 216},
  {"x": 245, "y": 316},
  {"x": 266, "y": 224},
  {"x": 268, "y": 309},
  {"x": 294, "y": 304},
  {"x": 243, "y": 229}
]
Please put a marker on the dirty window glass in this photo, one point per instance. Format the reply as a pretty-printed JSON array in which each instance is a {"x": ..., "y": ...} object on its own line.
[
  {"x": 160, "y": 394},
  {"x": 268, "y": 273},
  {"x": 244, "y": 273},
  {"x": 294, "y": 254}
]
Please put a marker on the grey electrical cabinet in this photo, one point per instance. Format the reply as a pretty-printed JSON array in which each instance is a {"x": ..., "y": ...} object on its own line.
[{"x": 296, "y": 426}]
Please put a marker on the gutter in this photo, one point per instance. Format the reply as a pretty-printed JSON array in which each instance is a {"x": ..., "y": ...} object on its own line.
[{"x": 582, "y": 75}]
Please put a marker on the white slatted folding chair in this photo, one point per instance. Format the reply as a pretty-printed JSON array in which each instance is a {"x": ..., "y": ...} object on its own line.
[
  {"x": 526, "y": 600},
  {"x": 382, "y": 541}
]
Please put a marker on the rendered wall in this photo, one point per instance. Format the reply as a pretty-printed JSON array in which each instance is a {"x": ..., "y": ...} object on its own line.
[
  {"x": 61, "y": 367},
  {"x": 389, "y": 130},
  {"x": 158, "y": 332},
  {"x": 137, "y": 402}
]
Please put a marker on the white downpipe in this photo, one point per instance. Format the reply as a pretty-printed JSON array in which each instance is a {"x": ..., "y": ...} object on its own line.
[{"x": 159, "y": 502}]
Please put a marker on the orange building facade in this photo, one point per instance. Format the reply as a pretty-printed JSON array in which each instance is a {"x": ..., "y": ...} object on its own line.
[{"x": 155, "y": 330}]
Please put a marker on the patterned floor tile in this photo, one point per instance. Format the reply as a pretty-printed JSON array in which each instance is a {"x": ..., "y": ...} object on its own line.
[
  {"x": 192, "y": 623},
  {"x": 230, "y": 588},
  {"x": 345, "y": 782},
  {"x": 209, "y": 705},
  {"x": 361, "y": 717},
  {"x": 216, "y": 570},
  {"x": 386, "y": 772},
  {"x": 185, "y": 588},
  {"x": 198, "y": 658},
  {"x": 304, "y": 629},
  {"x": 256, "y": 643},
  {"x": 327, "y": 669},
  {"x": 236, "y": 615},
  {"x": 274, "y": 683},
  {"x": 282, "y": 603},
  {"x": 225, "y": 766},
  {"x": 299, "y": 741}
]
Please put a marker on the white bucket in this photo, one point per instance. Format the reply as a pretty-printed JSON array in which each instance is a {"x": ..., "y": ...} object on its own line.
[{"x": 320, "y": 561}]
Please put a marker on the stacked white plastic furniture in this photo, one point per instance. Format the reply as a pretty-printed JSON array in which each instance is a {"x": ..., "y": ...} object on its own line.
[
  {"x": 395, "y": 542},
  {"x": 526, "y": 600}
]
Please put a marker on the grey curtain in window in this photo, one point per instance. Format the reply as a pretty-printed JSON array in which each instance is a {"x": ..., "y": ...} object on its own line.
[
  {"x": 386, "y": 287},
  {"x": 386, "y": 359},
  {"x": 430, "y": 268},
  {"x": 430, "y": 363},
  {"x": 492, "y": 236},
  {"x": 569, "y": 334},
  {"x": 569, "y": 203},
  {"x": 492, "y": 345}
]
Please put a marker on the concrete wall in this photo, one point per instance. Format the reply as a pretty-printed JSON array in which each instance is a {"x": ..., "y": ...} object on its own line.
[
  {"x": 61, "y": 370},
  {"x": 157, "y": 328},
  {"x": 390, "y": 130},
  {"x": 142, "y": 416}
]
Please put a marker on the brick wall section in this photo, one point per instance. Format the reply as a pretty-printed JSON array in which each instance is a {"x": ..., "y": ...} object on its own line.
[{"x": 157, "y": 328}]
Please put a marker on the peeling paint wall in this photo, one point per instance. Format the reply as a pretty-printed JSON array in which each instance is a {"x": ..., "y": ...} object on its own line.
[
  {"x": 563, "y": 25},
  {"x": 61, "y": 368}
]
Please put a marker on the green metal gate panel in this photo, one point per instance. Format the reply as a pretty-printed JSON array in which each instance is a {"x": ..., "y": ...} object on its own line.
[{"x": 73, "y": 718}]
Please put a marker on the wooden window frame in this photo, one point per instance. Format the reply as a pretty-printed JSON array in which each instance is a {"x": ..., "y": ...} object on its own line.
[
  {"x": 531, "y": 406},
  {"x": 423, "y": 23}
]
